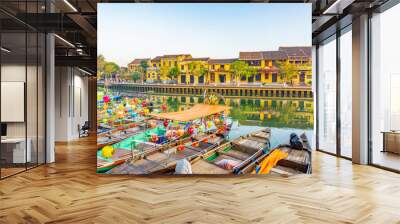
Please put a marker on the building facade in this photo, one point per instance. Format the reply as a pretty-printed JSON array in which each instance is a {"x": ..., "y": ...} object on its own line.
[{"x": 290, "y": 65}]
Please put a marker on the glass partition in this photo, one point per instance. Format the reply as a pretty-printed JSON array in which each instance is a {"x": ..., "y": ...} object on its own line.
[
  {"x": 346, "y": 93},
  {"x": 385, "y": 89},
  {"x": 14, "y": 155},
  {"x": 327, "y": 96},
  {"x": 22, "y": 67}
]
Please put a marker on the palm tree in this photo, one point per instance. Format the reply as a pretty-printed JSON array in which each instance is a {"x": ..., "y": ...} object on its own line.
[
  {"x": 287, "y": 71},
  {"x": 144, "y": 65}
]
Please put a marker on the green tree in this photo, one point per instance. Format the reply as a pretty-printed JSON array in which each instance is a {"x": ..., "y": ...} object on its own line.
[
  {"x": 136, "y": 76},
  {"x": 287, "y": 71},
  {"x": 239, "y": 69},
  {"x": 110, "y": 68},
  {"x": 173, "y": 73},
  {"x": 197, "y": 69},
  {"x": 144, "y": 65},
  {"x": 100, "y": 66},
  {"x": 250, "y": 72}
]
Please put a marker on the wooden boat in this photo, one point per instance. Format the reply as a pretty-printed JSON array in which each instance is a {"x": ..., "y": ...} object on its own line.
[
  {"x": 163, "y": 159},
  {"x": 297, "y": 161},
  {"x": 115, "y": 136},
  {"x": 233, "y": 156}
]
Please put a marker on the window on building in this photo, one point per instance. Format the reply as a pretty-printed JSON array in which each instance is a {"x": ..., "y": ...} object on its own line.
[{"x": 258, "y": 77}]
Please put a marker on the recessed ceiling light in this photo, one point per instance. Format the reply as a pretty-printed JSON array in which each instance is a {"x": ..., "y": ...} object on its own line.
[
  {"x": 64, "y": 40},
  {"x": 70, "y": 5},
  {"x": 5, "y": 50},
  {"x": 86, "y": 72}
]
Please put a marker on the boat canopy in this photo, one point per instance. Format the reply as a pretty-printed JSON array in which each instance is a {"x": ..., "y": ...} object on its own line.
[{"x": 196, "y": 112}]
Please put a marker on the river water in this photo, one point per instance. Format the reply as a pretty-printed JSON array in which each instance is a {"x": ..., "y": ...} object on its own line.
[{"x": 283, "y": 116}]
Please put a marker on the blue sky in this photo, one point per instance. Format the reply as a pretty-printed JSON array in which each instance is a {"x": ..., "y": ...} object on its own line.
[{"x": 127, "y": 31}]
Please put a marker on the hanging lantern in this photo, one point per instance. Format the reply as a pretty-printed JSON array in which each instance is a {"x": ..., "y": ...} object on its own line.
[
  {"x": 209, "y": 124},
  {"x": 169, "y": 134},
  {"x": 145, "y": 111},
  {"x": 180, "y": 132},
  {"x": 180, "y": 148},
  {"x": 154, "y": 138},
  {"x": 164, "y": 107},
  {"x": 166, "y": 123},
  {"x": 107, "y": 151},
  {"x": 106, "y": 99},
  {"x": 190, "y": 130}
]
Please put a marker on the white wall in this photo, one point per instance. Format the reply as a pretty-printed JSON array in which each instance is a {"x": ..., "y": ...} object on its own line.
[{"x": 71, "y": 102}]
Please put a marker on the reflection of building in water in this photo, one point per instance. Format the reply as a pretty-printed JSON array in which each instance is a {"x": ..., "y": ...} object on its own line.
[{"x": 261, "y": 112}]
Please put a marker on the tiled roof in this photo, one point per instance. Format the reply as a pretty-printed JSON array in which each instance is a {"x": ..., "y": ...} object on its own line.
[
  {"x": 175, "y": 55},
  {"x": 156, "y": 59},
  {"x": 196, "y": 59},
  {"x": 297, "y": 51},
  {"x": 255, "y": 55},
  {"x": 222, "y": 61},
  {"x": 273, "y": 55},
  {"x": 138, "y": 60}
]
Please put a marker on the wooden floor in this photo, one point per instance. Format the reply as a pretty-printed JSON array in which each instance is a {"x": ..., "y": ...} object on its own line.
[{"x": 69, "y": 191}]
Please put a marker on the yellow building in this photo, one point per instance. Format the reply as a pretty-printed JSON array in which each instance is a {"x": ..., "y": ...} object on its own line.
[
  {"x": 160, "y": 66},
  {"x": 265, "y": 67},
  {"x": 220, "y": 71},
  {"x": 193, "y": 70},
  {"x": 135, "y": 66}
]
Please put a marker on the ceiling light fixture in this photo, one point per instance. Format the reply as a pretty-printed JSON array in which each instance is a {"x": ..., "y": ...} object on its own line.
[
  {"x": 5, "y": 50},
  {"x": 64, "y": 40},
  {"x": 86, "y": 72},
  {"x": 70, "y": 5},
  {"x": 337, "y": 7}
]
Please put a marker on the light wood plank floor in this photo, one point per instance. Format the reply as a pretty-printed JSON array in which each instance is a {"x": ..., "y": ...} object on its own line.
[{"x": 69, "y": 191}]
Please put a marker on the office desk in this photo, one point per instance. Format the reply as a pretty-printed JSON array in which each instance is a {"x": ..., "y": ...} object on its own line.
[{"x": 13, "y": 150}]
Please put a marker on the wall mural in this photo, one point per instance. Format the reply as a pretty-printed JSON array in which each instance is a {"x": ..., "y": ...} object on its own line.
[{"x": 204, "y": 89}]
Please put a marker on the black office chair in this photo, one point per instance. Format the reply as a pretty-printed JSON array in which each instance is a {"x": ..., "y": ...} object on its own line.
[{"x": 84, "y": 130}]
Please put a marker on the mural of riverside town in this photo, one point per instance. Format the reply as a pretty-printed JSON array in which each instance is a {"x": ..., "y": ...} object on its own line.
[{"x": 188, "y": 102}]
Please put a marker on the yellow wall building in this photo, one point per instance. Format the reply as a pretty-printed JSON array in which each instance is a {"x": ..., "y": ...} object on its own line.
[
  {"x": 264, "y": 64},
  {"x": 193, "y": 71}
]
